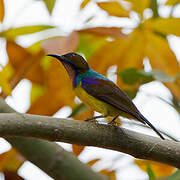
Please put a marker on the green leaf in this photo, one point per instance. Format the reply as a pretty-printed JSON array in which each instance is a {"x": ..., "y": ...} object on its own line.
[
  {"x": 131, "y": 76},
  {"x": 150, "y": 173},
  {"x": 50, "y": 5},
  {"x": 88, "y": 44},
  {"x": 12, "y": 33}
]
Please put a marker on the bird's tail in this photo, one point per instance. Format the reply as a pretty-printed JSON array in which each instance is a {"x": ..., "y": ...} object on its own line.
[{"x": 150, "y": 125}]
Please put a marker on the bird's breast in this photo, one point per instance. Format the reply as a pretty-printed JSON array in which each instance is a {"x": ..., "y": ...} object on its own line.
[{"x": 94, "y": 103}]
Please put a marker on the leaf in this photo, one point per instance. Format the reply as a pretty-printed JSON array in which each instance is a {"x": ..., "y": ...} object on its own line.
[
  {"x": 131, "y": 76},
  {"x": 165, "y": 25},
  {"x": 113, "y": 8},
  {"x": 110, "y": 173},
  {"x": 117, "y": 53},
  {"x": 10, "y": 175},
  {"x": 50, "y": 5},
  {"x": 61, "y": 45},
  {"x": 159, "y": 170},
  {"x": 161, "y": 56},
  {"x": 84, "y": 3},
  {"x": 58, "y": 92},
  {"x": 1, "y": 10},
  {"x": 26, "y": 65},
  {"x": 172, "y": 2},
  {"x": 5, "y": 75},
  {"x": 89, "y": 44},
  {"x": 77, "y": 150},
  {"x": 12, "y": 33},
  {"x": 36, "y": 91},
  {"x": 104, "y": 31},
  {"x": 5, "y": 85},
  {"x": 10, "y": 161},
  {"x": 94, "y": 161}
]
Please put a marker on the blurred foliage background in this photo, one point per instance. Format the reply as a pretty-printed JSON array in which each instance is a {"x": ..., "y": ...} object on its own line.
[{"x": 134, "y": 42}]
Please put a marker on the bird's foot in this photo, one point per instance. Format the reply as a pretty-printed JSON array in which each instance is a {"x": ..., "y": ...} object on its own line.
[{"x": 113, "y": 121}]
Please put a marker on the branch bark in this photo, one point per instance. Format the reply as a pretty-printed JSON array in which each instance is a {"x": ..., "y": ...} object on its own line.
[
  {"x": 91, "y": 134},
  {"x": 48, "y": 156}
]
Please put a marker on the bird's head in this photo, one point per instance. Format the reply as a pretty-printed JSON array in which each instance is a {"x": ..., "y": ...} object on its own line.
[{"x": 72, "y": 62}]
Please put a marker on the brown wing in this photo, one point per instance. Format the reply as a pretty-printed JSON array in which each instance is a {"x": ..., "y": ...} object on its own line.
[{"x": 108, "y": 92}]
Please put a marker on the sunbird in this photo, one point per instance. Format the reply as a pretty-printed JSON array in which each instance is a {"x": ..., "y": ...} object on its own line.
[{"x": 98, "y": 92}]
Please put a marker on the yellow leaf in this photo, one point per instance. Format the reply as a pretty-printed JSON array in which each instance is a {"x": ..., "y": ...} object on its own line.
[
  {"x": 94, "y": 161},
  {"x": 139, "y": 5},
  {"x": 1, "y": 10},
  {"x": 84, "y": 3},
  {"x": 160, "y": 170},
  {"x": 172, "y": 2},
  {"x": 77, "y": 150},
  {"x": 10, "y": 161},
  {"x": 4, "y": 83},
  {"x": 162, "y": 58},
  {"x": 110, "y": 173},
  {"x": 113, "y": 8},
  {"x": 120, "y": 52},
  {"x": 165, "y": 25},
  {"x": 12, "y": 33}
]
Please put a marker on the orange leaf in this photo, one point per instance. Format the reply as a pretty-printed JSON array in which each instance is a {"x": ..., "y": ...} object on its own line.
[
  {"x": 25, "y": 64},
  {"x": 58, "y": 94},
  {"x": 104, "y": 31},
  {"x": 118, "y": 52},
  {"x": 110, "y": 173},
  {"x": 1, "y": 10},
  {"x": 10, "y": 161},
  {"x": 77, "y": 149},
  {"x": 160, "y": 170},
  {"x": 94, "y": 161},
  {"x": 162, "y": 58},
  {"x": 113, "y": 8}
]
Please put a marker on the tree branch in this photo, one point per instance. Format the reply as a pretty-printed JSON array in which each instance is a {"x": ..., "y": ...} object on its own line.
[
  {"x": 48, "y": 156},
  {"x": 91, "y": 134}
]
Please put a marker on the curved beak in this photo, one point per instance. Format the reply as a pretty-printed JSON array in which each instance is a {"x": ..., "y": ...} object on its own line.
[{"x": 60, "y": 58}]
